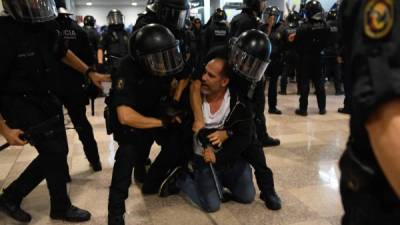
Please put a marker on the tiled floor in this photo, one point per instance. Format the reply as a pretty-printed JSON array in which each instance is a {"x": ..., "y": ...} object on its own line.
[{"x": 305, "y": 168}]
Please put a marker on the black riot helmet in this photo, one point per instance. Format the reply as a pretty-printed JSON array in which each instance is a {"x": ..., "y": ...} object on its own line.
[
  {"x": 62, "y": 7},
  {"x": 249, "y": 55},
  {"x": 219, "y": 15},
  {"x": 89, "y": 21},
  {"x": 271, "y": 11},
  {"x": 156, "y": 49},
  {"x": 115, "y": 17},
  {"x": 293, "y": 19},
  {"x": 314, "y": 10},
  {"x": 255, "y": 5},
  {"x": 31, "y": 11},
  {"x": 172, "y": 13},
  {"x": 332, "y": 15}
]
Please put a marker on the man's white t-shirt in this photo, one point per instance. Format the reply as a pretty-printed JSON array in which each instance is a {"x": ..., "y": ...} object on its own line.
[{"x": 213, "y": 120}]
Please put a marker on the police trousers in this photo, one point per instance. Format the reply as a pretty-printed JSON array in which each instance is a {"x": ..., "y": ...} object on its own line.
[
  {"x": 273, "y": 72},
  {"x": 77, "y": 113},
  {"x": 311, "y": 69},
  {"x": 130, "y": 155},
  {"x": 22, "y": 112},
  {"x": 255, "y": 156}
]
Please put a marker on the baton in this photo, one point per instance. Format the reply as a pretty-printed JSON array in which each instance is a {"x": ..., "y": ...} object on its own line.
[
  {"x": 214, "y": 175},
  {"x": 6, "y": 145}
]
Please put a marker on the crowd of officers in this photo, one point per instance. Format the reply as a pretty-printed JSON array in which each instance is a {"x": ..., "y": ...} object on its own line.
[{"x": 196, "y": 90}]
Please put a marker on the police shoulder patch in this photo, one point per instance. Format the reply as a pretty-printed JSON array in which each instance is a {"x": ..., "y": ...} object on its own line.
[
  {"x": 120, "y": 84},
  {"x": 378, "y": 18}
]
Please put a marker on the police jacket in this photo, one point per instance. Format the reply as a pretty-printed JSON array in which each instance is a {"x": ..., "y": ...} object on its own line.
[
  {"x": 333, "y": 48},
  {"x": 239, "y": 123},
  {"x": 277, "y": 38},
  {"x": 133, "y": 87},
  {"x": 28, "y": 58},
  {"x": 312, "y": 37},
  {"x": 68, "y": 81},
  {"x": 217, "y": 33},
  {"x": 243, "y": 22},
  {"x": 374, "y": 58},
  {"x": 114, "y": 42},
  {"x": 94, "y": 38}
]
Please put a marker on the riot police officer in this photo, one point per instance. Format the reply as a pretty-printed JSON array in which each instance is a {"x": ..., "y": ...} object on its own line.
[
  {"x": 291, "y": 57},
  {"x": 311, "y": 38},
  {"x": 172, "y": 14},
  {"x": 247, "y": 20},
  {"x": 69, "y": 85},
  {"x": 31, "y": 49},
  {"x": 89, "y": 23},
  {"x": 272, "y": 26},
  {"x": 113, "y": 43},
  {"x": 370, "y": 184},
  {"x": 144, "y": 114},
  {"x": 253, "y": 46},
  {"x": 331, "y": 56},
  {"x": 217, "y": 32}
]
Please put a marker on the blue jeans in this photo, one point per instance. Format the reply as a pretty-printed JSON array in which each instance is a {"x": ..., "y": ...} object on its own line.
[{"x": 200, "y": 187}]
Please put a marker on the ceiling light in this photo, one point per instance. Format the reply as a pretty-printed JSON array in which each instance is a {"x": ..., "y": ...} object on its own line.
[
  {"x": 89, "y": 3},
  {"x": 134, "y": 3}
]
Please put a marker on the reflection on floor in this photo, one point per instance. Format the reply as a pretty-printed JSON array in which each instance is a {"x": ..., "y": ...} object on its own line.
[{"x": 305, "y": 169}]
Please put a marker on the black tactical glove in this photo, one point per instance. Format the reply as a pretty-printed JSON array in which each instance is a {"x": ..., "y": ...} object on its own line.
[
  {"x": 170, "y": 110},
  {"x": 203, "y": 139},
  {"x": 101, "y": 68}
]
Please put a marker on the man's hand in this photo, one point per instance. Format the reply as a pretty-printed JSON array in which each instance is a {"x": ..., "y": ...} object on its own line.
[
  {"x": 218, "y": 137},
  {"x": 291, "y": 37},
  {"x": 97, "y": 78},
  {"x": 197, "y": 125},
  {"x": 209, "y": 156},
  {"x": 12, "y": 135}
]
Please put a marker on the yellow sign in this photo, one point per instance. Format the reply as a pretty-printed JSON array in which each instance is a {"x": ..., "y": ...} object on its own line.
[{"x": 378, "y": 18}]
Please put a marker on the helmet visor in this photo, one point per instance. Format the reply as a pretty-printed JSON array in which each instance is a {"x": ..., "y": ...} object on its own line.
[
  {"x": 115, "y": 19},
  {"x": 164, "y": 63},
  {"x": 32, "y": 11},
  {"x": 175, "y": 18},
  {"x": 318, "y": 16},
  {"x": 246, "y": 65}
]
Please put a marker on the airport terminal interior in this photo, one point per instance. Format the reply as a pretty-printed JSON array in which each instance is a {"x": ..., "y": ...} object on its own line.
[
  {"x": 305, "y": 169},
  {"x": 305, "y": 164}
]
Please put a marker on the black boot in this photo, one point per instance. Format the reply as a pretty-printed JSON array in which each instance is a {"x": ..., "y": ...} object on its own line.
[
  {"x": 343, "y": 110},
  {"x": 14, "y": 210},
  {"x": 271, "y": 199},
  {"x": 268, "y": 141},
  {"x": 116, "y": 220},
  {"x": 322, "y": 111},
  {"x": 274, "y": 111},
  {"x": 168, "y": 186},
  {"x": 73, "y": 214},
  {"x": 96, "y": 166},
  {"x": 301, "y": 112}
]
